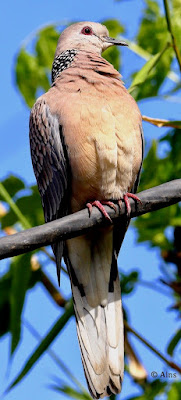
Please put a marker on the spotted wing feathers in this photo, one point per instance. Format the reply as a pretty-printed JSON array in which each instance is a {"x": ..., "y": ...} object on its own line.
[{"x": 50, "y": 164}]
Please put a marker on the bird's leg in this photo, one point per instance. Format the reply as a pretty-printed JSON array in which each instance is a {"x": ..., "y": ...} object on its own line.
[{"x": 100, "y": 207}]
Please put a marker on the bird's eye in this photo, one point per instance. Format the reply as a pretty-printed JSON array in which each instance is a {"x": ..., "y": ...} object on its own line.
[{"x": 86, "y": 30}]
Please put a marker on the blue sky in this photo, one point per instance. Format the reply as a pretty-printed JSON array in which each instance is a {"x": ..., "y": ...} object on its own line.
[{"x": 148, "y": 309}]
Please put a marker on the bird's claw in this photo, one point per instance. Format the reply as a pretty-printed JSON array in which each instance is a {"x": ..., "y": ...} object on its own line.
[
  {"x": 101, "y": 208},
  {"x": 127, "y": 203}
]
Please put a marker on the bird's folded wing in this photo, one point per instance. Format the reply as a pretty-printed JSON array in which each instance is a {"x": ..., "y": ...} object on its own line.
[{"x": 50, "y": 164}]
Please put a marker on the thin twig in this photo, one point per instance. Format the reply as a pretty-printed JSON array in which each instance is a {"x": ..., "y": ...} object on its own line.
[
  {"x": 54, "y": 293},
  {"x": 80, "y": 223},
  {"x": 169, "y": 25},
  {"x": 153, "y": 286},
  {"x": 171, "y": 363}
]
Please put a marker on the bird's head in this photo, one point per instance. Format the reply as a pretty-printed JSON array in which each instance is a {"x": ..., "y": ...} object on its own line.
[{"x": 89, "y": 36}]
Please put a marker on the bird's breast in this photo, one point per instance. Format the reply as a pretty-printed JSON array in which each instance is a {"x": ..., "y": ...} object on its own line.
[{"x": 101, "y": 130}]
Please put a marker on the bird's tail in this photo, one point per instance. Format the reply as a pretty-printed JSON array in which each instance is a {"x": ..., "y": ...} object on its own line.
[{"x": 92, "y": 267}]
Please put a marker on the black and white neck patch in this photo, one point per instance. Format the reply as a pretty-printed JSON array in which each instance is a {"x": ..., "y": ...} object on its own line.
[{"x": 61, "y": 62}]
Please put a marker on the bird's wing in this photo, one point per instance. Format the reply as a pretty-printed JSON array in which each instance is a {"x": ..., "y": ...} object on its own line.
[{"x": 51, "y": 167}]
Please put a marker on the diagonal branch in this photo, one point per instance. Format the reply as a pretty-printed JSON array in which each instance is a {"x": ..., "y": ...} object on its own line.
[
  {"x": 52, "y": 290},
  {"x": 169, "y": 25},
  {"x": 79, "y": 223},
  {"x": 169, "y": 362}
]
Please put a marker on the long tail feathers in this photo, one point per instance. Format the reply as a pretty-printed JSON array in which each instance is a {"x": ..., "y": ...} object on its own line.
[
  {"x": 58, "y": 252},
  {"x": 98, "y": 310}
]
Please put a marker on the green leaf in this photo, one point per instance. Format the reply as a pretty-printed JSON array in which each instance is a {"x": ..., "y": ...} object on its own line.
[
  {"x": 26, "y": 209},
  {"x": 45, "y": 343},
  {"x": 5, "y": 195},
  {"x": 173, "y": 140},
  {"x": 31, "y": 207},
  {"x": 5, "y": 288},
  {"x": 175, "y": 17},
  {"x": 151, "y": 227},
  {"x": 4, "y": 318},
  {"x": 128, "y": 281},
  {"x": 5, "y": 297},
  {"x": 71, "y": 392},
  {"x": 30, "y": 76},
  {"x": 151, "y": 164},
  {"x": 151, "y": 390},
  {"x": 69, "y": 374},
  {"x": 143, "y": 74},
  {"x": 162, "y": 165},
  {"x": 20, "y": 269},
  {"x": 13, "y": 185},
  {"x": 173, "y": 342},
  {"x": 154, "y": 21},
  {"x": 175, "y": 391},
  {"x": 33, "y": 70},
  {"x": 114, "y": 27},
  {"x": 46, "y": 46},
  {"x": 170, "y": 23},
  {"x": 174, "y": 124}
]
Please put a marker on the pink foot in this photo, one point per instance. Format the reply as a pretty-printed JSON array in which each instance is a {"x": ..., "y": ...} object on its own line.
[
  {"x": 127, "y": 203},
  {"x": 100, "y": 207}
]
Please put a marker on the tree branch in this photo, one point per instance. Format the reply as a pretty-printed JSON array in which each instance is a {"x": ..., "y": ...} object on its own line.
[
  {"x": 52, "y": 290},
  {"x": 169, "y": 25},
  {"x": 169, "y": 362},
  {"x": 79, "y": 223}
]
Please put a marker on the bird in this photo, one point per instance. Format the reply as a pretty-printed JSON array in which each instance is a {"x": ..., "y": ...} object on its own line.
[{"x": 86, "y": 144}]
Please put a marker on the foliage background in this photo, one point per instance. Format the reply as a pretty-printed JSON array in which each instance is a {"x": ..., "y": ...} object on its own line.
[{"x": 150, "y": 271}]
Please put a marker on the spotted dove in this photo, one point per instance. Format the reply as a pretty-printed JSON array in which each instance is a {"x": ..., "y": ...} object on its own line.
[{"x": 87, "y": 148}]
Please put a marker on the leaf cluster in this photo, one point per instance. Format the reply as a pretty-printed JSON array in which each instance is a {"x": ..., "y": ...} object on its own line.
[
  {"x": 156, "y": 170},
  {"x": 20, "y": 276},
  {"x": 33, "y": 70}
]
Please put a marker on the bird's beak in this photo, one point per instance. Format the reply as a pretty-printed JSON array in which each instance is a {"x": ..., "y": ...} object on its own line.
[{"x": 113, "y": 41}]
